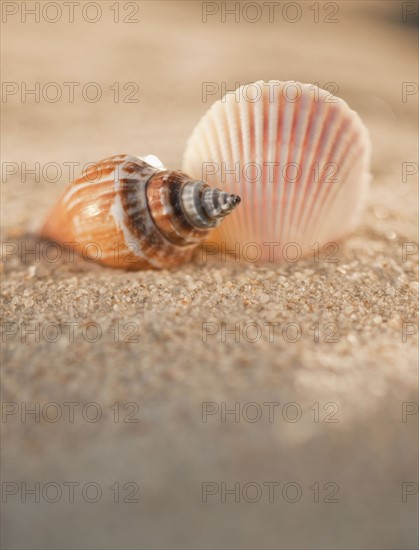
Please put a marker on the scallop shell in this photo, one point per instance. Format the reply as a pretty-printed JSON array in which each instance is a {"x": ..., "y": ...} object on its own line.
[
  {"x": 132, "y": 213},
  {"x": 298, "y": 157}
]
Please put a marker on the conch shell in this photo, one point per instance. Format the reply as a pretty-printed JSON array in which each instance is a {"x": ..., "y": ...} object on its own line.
[{"x": 132, "y": 213}]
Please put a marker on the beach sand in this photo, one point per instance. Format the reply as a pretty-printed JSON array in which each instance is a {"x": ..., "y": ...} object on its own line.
[{"x": 325, "y": 402}]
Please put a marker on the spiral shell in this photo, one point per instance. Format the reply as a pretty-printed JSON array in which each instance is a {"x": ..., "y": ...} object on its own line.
[
  {"x": 298, "y": 157},
  {"x": 132, "y": 213}
]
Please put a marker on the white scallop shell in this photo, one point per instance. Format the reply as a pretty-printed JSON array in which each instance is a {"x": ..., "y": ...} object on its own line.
[{"x": 298, "y": 157}]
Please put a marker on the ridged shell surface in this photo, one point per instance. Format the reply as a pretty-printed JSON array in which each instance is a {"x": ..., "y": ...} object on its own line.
[
  {"x": 125, "y": 212},
  {"x": 298, "y": 157}
]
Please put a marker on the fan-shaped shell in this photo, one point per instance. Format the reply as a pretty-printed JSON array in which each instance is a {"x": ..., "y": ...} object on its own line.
[{"x": 298, "y": 157}]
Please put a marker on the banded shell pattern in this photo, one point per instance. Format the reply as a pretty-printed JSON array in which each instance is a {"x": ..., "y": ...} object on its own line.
[
  {"x": 132, "y": 213},
  {"x": 298, "y": 157}
]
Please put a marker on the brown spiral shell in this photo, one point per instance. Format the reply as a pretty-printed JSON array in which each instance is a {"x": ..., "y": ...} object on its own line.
[{"x": 137, "y": 215}]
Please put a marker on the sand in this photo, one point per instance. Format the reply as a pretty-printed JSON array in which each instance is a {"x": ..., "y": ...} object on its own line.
[{"x": 321, "y": 361}]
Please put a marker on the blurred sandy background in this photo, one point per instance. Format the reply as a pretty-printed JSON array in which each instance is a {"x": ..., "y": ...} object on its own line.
[{"x": 370, "y": 295}]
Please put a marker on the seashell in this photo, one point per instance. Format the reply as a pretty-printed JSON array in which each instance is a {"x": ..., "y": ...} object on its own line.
[
  {"x": 131, "y": 212},
  {"x": 298, "y": 157}
]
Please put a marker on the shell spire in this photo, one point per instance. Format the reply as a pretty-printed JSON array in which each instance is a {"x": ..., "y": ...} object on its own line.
[
  {"x": 218, "y": 204},
  {"x": 206, "y": 206},
  {"x": 133, "y": 213}
]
